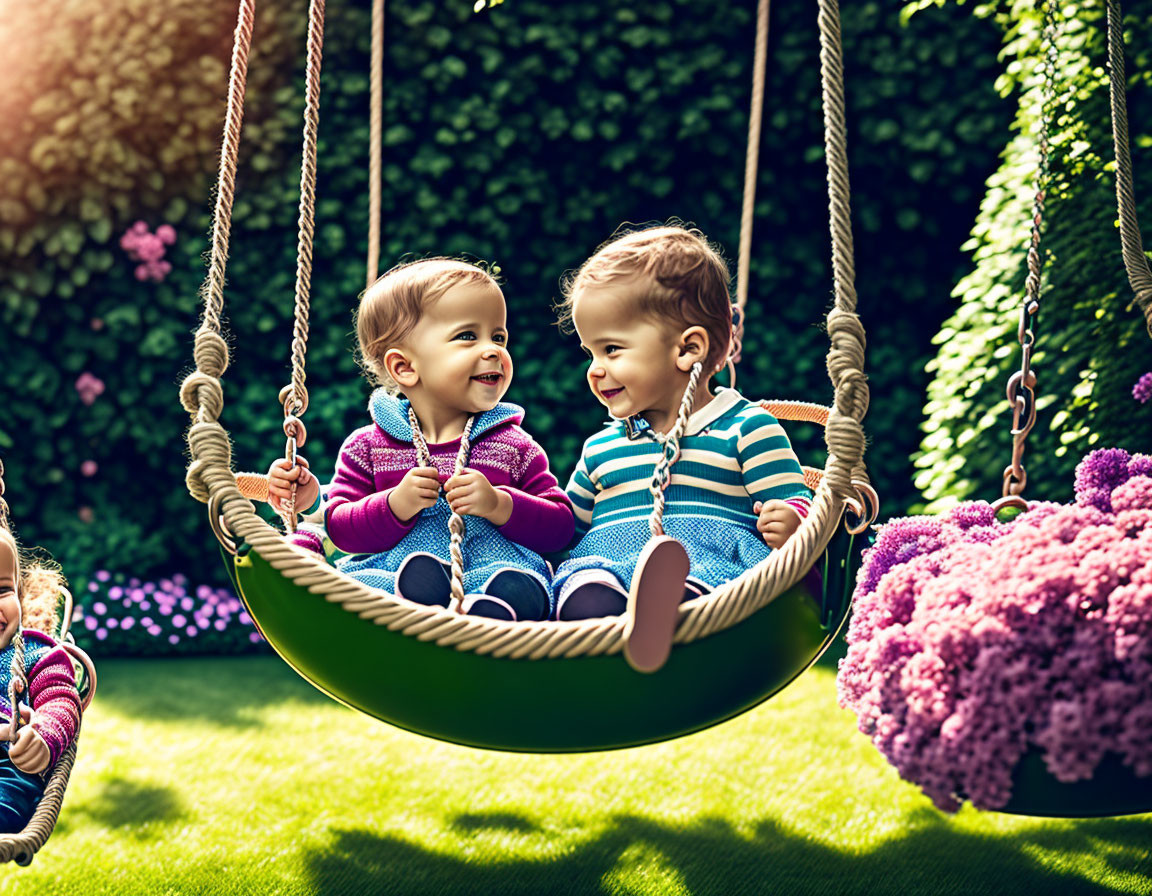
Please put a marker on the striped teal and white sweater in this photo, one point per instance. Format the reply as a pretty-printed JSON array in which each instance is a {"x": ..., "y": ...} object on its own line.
[{"x": 733, "y": 453}]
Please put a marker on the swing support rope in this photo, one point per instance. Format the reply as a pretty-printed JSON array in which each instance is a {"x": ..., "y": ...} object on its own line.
[
  {"x": 210, "y": 478},
  {"x": 751, "y": 170}
]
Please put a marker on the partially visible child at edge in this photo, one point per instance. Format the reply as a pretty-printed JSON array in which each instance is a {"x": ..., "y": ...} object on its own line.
[
  {"x": 647, "y": 307},
  {"x": 433, "y": 335},
  {"x": 30, "y": 593}
]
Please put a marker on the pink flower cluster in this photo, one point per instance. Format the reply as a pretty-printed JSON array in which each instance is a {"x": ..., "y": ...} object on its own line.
[
  {"x": 128, "y": 616},
  {"x": 1142, "y": 391},
  {"x": 148, "y": 249},
  {"x": 89, "y": 387},
  {"x": 974, "y": 641}
]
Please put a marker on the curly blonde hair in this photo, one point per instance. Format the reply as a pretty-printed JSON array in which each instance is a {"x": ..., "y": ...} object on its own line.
[
  {"x": 685, "y": 282},
  {"x": 392, "y": 306},
  {"x": 39, "y": 585}
]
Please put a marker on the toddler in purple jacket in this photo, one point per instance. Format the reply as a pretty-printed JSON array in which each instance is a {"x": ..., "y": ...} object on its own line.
[
  {"x": 433, "y": 335},
  {"x": 51, "y": 717}
]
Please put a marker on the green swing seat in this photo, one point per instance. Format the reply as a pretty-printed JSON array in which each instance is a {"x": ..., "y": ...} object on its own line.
[{"x": 567, "y": 704}]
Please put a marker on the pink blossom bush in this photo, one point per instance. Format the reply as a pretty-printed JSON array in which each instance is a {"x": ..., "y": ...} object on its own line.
[
  {"x": 974, "y": 641},
  {"x": 148, "y": 249},
  {"x": 118, "y": 615},
  {"x": 1142, "y": 391}
]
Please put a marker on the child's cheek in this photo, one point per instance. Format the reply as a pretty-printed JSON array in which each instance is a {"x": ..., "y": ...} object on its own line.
[{"x": 506, "y": 366}]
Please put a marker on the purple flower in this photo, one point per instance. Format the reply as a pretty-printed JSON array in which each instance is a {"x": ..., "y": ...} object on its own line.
[
  {"x": 148, "y": 249},
  {"x": 973, "y": 642},
  {"x": 1142, "y": 391}
]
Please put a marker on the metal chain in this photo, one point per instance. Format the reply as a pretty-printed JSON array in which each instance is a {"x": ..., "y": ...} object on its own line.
[{"x": 1021, "y": 389}]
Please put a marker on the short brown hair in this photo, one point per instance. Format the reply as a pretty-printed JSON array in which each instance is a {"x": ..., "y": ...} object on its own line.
[
  {"x": 391, "y": 307},
  {"x": 688, "y": 282}
]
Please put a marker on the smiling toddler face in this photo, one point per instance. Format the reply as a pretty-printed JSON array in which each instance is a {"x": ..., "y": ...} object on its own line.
[
  {"x": 633, "y": 356},
  {"x": 9, "y": 602},
  {"x": 459, "y": 348}
]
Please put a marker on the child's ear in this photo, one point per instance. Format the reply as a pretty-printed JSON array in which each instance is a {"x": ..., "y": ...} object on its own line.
[
  {"x": 399, "y": 367},
  {"x": 693, "y": 347}
]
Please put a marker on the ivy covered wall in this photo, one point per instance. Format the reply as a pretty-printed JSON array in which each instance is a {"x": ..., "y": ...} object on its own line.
[
  {"x": 1092, "y": 345},
  {"x": 523, "y": 135}
]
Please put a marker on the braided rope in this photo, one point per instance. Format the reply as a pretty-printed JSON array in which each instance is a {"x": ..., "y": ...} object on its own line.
[
  {"x": 21, "y": 847},
  {"x": 201, "y": 393},
  {"x": 375, "y": 150},
  {"x": 804, "y": 411},
  {"x": 210, "y": 472},
  {"x": 751, "y": 168},
  {"x": 1135, "y": 261},
  {"x": 455, "y": 521},
  {"x": 295, "y": 407},
  {"x": 17, "y": 684},
  {"x": 662, "y": 475}
]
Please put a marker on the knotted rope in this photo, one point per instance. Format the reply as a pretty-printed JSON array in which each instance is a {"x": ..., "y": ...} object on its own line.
[
  {"x": 17, "y": 684},
  {"x": 662, "y": 475},
  {"x": 455, "y": 521}
]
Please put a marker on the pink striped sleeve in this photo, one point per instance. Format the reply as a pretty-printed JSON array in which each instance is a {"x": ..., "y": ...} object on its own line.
[{"x": 52, "y": 693}]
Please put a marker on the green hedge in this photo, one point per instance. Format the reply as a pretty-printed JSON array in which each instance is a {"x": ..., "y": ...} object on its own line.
[
  {"x": 1091, "y": 340},
  {"x": 523, "y": 135}
]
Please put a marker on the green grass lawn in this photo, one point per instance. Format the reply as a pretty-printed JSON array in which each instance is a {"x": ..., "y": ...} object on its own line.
[{"x": 235, "y": 776}]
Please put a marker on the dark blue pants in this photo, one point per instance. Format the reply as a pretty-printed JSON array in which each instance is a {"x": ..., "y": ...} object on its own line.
[{"x": 20, "y": 792}]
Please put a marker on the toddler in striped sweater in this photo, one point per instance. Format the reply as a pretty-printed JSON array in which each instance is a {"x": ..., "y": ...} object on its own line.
[{"x": 648, "y": 307}]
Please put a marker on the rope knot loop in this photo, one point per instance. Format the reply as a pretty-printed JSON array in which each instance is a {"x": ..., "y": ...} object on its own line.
[
  {"x": 210, "y": 352},
  {"x": 202, "y": 391}
]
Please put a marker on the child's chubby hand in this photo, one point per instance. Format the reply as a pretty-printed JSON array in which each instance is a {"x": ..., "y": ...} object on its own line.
[
  {"x": 30, "y": 753},
  {"x": 469, "y": 493},
  {"x": 280, "y": 479},
  {"x": 776, "y": 523},
  {"x": 419, "y": 489}
]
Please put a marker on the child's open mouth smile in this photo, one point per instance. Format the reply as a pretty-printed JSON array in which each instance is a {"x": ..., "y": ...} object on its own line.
[
  {"x": 489, "y": 379},
  {"x": 607, "y": 394}
]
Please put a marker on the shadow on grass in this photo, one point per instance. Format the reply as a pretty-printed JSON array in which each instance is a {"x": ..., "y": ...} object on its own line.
[
  {"x": 223, "y": 691},
  {"x": 122, "y": 803},
  {"x": 710, "y": 858}
]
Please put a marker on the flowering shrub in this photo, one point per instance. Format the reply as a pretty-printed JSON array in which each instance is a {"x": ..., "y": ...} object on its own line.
[
  {"x": 148, "y": 249},
  {"x": 974, "y": 640},
  {"x": 121, "y": 615},
  {"x": 1142, "y": 391}
]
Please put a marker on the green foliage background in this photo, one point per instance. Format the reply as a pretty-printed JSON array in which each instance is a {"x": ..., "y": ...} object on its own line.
[
  {"x": 1092, "y": 344},
  {"x": 522, "y": 135}
]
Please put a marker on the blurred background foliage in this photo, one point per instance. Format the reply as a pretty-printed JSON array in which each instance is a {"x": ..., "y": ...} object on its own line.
[
  {"x": 524, "y": 135},
  {"x": 1092, "y": 345}
]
